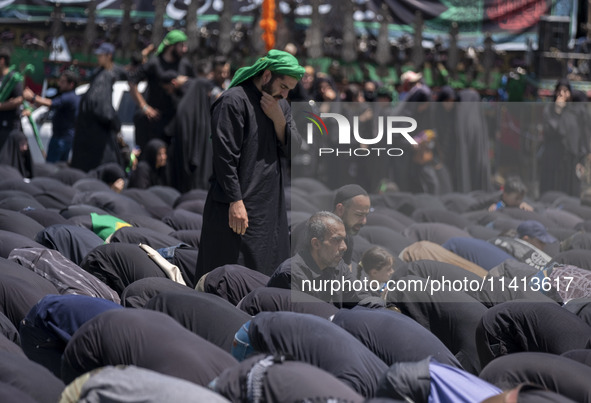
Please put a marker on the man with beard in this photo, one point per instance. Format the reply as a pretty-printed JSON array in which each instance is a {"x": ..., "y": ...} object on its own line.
[
  {"x": 316, "y": 269},
  {"x": 245, "y": 218},
  {"x": 166, "y": 73},
  {"x": 351, "y": 204}
]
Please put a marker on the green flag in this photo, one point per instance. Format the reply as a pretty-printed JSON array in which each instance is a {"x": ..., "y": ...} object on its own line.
[{"x": 105, "y": 225}]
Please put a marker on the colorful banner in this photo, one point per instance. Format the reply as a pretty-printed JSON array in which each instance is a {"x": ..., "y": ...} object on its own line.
[{"x": 509, "y": 21}]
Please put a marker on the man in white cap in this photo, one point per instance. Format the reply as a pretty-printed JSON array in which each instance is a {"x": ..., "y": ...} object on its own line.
[{"x": 413, "y": 86}]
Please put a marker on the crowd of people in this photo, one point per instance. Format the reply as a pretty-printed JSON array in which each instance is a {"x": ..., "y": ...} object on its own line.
[{"x": 209, "y": 268}]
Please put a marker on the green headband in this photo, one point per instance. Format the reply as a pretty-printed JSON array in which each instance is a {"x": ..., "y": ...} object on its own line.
[
  {"x": 171, "y": 38},
  {"x": 277, "y": 61}
]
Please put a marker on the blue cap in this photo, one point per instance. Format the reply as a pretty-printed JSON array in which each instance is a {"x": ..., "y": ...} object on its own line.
[
  {"x": 241, "y": 347},
  {"x": 105, "y": 48},
  {"x": 535, "y": 229}
]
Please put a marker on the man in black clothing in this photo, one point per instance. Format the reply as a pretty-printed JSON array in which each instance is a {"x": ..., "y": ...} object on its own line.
[
  {"x": 351, "y": 204},
  {"x": 166, "y": 73},
  {"x": 9, "y": 108},
  {"x": 319, "y": 268},
  {"x": 245, "y": 217}
]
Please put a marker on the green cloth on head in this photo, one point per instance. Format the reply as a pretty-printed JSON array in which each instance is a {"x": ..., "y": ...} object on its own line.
[
  {"x": 106, "y": 225},
  {"x": 171, "y": 38},
  {"x": 277, "y": 61}
]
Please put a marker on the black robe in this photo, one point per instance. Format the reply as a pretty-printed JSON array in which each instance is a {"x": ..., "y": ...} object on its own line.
[
  {"x": 271, "y": 299},
  {"x": 30, "y": 378},
  {"x": 120, "y": 264},
  {"x": 11, "y": 240},
  {"x": 19, "y": 223},
  {"x": 206, "y": 315},
  {"x": 152, "y": 203},
  {"x": 182, "y": 219},
  {"x": 135, "y": 235},
  {"x": 138, "y": 293},
  {"x": 233, "y": 282},
  {"x": 71, "y": 241},
  {"x": 319, "y": 342},
  {"x": 562, "y": 148},
  {"x": 20, "y": 289},
  {"x": 451, "y": 316},
  {"x": 146, "y": 339},
  {"x": 190, "y": 150},
  {"x": 146, "y": 174},
  {"x": 472, "y": 164},
  {"x": 519, "y": 326},
  {"x": 285, "y": 381},
  {"x": 553, "y": 372},
  {"x": 246, "y": 166},
  {"x": 97, "y": 124},
  {"x": 393, "y": 336}
]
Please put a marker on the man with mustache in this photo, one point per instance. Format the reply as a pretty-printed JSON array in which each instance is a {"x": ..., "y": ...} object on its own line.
[
  {"x": 245, "y": 217},
  {"x": 351, "y": 204},
  {"x": 318, "y": 269}
]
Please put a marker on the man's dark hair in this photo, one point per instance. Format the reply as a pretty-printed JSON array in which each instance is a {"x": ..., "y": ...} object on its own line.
[
  {"x": 5, "y": 54},
  {"x": 317, "y": 225},
  {"x": 514, "y": 184},
  {"x": 71, "y": 77}
]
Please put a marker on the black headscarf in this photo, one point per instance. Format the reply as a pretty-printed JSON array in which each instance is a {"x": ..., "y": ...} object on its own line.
[{"x": 147, "y": 174}]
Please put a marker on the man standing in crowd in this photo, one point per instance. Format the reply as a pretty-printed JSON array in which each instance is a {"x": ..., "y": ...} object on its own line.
[
  {"x": 97, "y": 125},
  {"x": 65, "y": 107},
  {"x": 245, "y": 218},
  {"x": 166, "y": 72}
]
